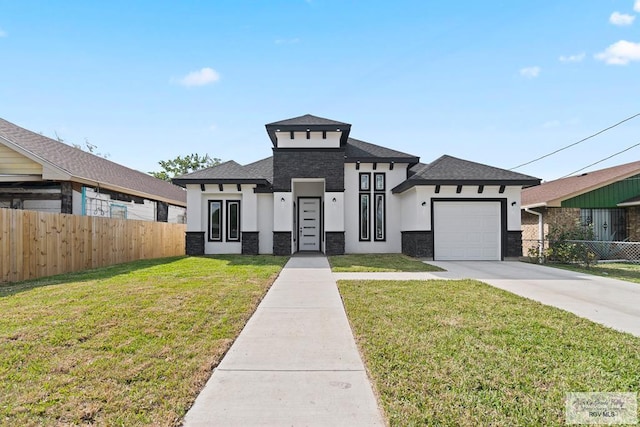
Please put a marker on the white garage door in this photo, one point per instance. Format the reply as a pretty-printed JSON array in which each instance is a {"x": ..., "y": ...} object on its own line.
[{"x": 466, "y": 230}]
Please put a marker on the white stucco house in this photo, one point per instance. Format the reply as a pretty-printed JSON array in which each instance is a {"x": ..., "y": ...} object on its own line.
[{"x": 325, "y": 191}]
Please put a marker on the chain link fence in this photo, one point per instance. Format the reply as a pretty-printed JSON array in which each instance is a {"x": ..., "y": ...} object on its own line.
[{"x": 602, "y": 250}]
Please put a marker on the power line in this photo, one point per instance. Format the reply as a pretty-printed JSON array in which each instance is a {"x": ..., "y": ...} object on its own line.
[
  {"x": 578, "y": 142},
  {"x": 602, "y": 160}
]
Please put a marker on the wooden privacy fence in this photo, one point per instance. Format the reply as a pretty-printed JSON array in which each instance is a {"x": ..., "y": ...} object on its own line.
[{"x": 37, "y": 244}]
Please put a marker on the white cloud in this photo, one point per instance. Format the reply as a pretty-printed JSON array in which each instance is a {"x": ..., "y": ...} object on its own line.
[
  {"x": 200, "y": 78},
  {"x": 636, "y": 6},
  {"x": 530, "y": 72},
  {"x": 578, "y": 57},
  {"x": 620, "y": 53},
  {"x": 621, "y": 19},
  {"x": 3, "y": 33}
]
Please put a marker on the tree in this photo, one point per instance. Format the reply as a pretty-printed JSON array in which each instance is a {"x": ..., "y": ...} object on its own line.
[{"x": 183, "y": 165}]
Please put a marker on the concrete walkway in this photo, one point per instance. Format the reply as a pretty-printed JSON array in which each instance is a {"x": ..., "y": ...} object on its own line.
[{"x": 295, "y": 363}]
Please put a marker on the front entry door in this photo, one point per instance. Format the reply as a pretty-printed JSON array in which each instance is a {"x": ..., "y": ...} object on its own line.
[{"x": 309, "y": 224}]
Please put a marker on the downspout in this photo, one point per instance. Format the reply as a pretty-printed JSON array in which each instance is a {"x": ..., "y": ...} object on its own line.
[
  {"x": 84, "y": 200},
  {"x": 540, "y": 232}
]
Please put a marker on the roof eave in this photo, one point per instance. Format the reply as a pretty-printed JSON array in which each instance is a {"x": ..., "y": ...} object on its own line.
[
  {"x": 344, "y": 128},
  {"x": 414, "y": 182},
  {"x": 182, "y": 182},
  {"x": 410, "y": 160}
]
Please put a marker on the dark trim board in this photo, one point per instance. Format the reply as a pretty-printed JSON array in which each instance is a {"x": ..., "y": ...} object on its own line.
[{"x": 503, "y": 219}]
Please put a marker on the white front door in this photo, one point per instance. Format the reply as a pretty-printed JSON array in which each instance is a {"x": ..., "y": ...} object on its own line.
[{"x": 309, "y": 224}]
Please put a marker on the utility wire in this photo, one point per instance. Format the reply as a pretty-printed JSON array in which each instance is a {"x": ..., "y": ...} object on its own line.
[
  {"x": 602, "y": 160},
  {"x": 578, "y": 142}
]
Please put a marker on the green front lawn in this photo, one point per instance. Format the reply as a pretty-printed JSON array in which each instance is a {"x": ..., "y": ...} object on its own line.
[
  {"x": 378, "y": 263},
  {"x": 131, "y": 344},
  {"x": 622, "y": 271},
  {"x": 464, "y": 353}
]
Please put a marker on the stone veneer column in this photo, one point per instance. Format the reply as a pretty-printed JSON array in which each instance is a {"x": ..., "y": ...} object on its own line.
[
  {"x": 514, "y": 244},
  {"x": 334, "y": 244},
  {"x": 282, "y": 243},
  {"x": 417, "y": 244},
  {"x": 250, "y": 243},
  {"x": 194, "y": 243}
]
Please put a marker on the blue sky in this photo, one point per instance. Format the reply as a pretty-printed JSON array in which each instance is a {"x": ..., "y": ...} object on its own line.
[{"x": 494, "y": 82}]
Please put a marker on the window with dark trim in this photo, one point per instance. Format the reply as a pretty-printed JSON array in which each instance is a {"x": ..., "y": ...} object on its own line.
[
  {"x": 233, "y": 220},
  {"x": 365, "y": 209},
  {"x": 378, "y": 179},
  {"x": 365, "y": 181},
  {"x": 215, "y": 220},
  {"x": 379, "y": 218}
]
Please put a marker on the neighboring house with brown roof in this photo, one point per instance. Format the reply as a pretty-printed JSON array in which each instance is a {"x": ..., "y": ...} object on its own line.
[
  {"x": 607, "y": 200},
  {"x": 41, "y": 174},
  {"x": 325, "y": 191}
]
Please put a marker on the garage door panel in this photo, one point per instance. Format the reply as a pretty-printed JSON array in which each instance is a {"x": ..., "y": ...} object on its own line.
[{"x": 467, "y": 230}]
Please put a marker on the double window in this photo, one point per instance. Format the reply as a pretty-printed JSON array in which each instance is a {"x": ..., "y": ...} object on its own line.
[
  {"x": 372, "y": 191},
  {"x": 230, "y": 217}
]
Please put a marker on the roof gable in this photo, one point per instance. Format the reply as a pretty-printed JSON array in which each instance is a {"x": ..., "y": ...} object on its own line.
[
  {"x": 553, "y": 193},
  {"x": 87, "y": 168}
]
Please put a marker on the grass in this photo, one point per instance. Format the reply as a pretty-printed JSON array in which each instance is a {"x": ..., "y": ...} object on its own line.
[
  {"x": 378, "y": 263},
  {"x": 464, "y": 353},
  {"x": 622, "y": 271},
  {"x": 131, "y": 344}
]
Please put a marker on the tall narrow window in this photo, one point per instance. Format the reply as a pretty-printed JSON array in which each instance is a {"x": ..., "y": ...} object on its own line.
[
  {"x": 365, "y": 184},
  {"x": 364, "y": 217},
  {"x": 379, "y": 222},
  {"x": 379, "y": 181},
  {"x": 233, "y": 220},
  {"x": 215, "y": 220}
]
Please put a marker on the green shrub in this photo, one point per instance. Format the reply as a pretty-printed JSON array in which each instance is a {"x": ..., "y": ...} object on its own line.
[{"x": 562, "y": 249}]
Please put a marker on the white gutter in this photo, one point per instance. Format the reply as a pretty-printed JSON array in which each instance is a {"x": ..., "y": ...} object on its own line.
[{"x": 540, "y": 231}]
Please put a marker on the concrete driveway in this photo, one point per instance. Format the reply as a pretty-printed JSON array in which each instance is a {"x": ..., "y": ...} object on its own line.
[{"x": 614, "y": 303}]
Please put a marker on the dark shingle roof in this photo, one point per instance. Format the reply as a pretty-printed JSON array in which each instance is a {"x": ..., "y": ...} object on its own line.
[
  {"x": 449, "y": 170},
  {"x": 308, "y": 123},
  {"x": 260, "y": 172},
  {"x": 89, "y": 167},
  {"x": 308, "y": 120},
  {"x": 552, "y": 193},
  {"x": 364, "y": 151}
]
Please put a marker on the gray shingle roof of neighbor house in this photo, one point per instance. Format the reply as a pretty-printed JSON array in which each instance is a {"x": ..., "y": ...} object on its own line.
[
  {"x": 88, "y": 168},
  {"x": 448, "y": 170},
  {"x": 553, "y": 193}
]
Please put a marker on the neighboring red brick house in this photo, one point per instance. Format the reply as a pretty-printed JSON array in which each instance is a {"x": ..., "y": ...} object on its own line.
[{"x": 606, "y": 199}]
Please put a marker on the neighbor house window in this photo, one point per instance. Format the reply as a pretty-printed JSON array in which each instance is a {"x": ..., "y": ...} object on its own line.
[
  {"x": 233, "y": 220},
  {"x": 379, "y": 220},
  {"x": 118, "y": 211},
  {"x": 364, "y": 216},
  {"x": 606, "y": 224},
  {"x": 215, "y": 220}
]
